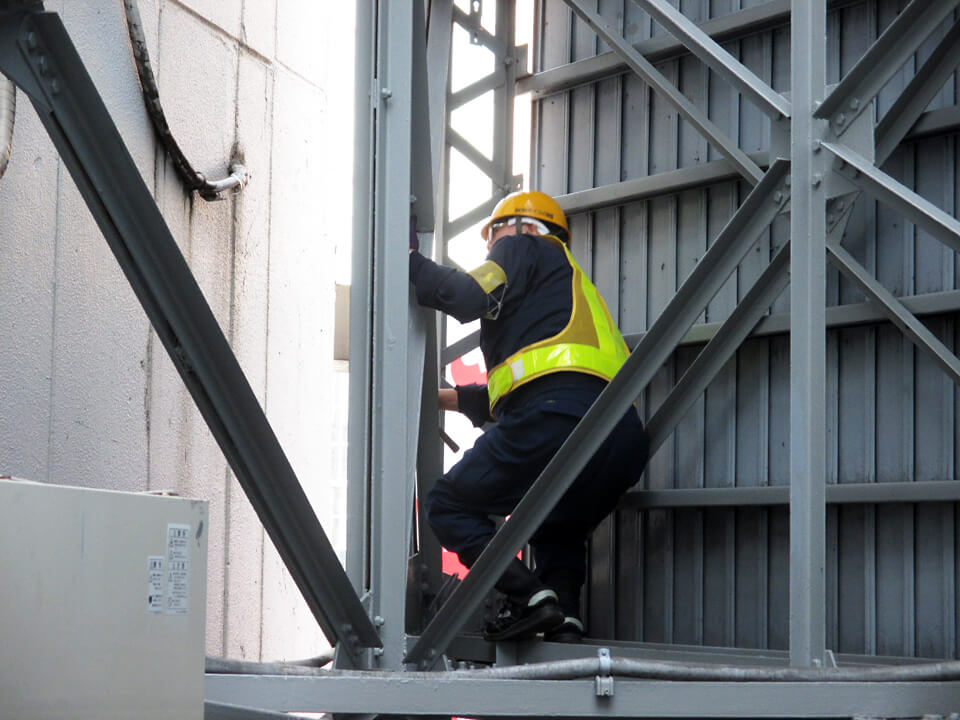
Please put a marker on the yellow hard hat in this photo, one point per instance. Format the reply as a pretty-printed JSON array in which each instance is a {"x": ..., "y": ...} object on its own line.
[{"x": 532, "y": 204}]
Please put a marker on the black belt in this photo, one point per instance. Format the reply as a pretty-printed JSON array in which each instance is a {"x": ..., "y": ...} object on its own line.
[{"x": 565, "y": 379}]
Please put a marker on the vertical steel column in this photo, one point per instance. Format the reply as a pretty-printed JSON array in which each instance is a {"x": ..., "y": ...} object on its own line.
[
  {"x": 385, "y": 381},
  {"x": 358, "y": 453},
  {"x": 427, "y": 571},
  {"x": 504, "y": 97},
  {"x": 807, "y": 336}
]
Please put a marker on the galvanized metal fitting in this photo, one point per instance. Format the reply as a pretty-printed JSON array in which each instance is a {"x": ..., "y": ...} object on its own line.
[{"x": 604, "y": 680}]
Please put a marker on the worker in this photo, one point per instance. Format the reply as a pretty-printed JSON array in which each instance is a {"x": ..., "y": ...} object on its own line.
[{"x": 551, "y": 347}]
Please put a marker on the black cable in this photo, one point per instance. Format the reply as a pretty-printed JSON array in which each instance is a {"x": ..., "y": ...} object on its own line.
[
  {"x": 8, "y": 113},
  {"x": 193, "y": 179}
]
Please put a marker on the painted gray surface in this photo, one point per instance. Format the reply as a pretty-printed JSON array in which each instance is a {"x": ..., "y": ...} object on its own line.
[
  {"x": 89, "y": 396},
  {"x": 720, "y": 576}
]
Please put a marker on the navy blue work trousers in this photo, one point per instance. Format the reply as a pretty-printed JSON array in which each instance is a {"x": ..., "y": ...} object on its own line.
[{"x": 493, "y": 476}]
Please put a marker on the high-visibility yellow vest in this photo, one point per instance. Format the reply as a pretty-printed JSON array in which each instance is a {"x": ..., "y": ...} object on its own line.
[{"x": 590, "y": 343}]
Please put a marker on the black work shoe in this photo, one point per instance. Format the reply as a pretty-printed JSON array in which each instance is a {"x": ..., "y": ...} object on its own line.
[
  {"x": 569, "y": 631},
  {"x": 525, "y": 619}
]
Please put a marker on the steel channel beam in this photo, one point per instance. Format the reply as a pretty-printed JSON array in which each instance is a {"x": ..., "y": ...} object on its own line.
[
  {"x": 862, "y": 173},
  {"x": 38, "y": 55},
  {"x": 470, "y": 218},
  {"x": 444, "y": 695},
  {"x": 480, "y": 161},
  {"x": 397, "y": 341},
  {"x": 807, "y": 337},
  {"x": 721, "y": 348},
  {"x": 460, "y": 348},
  {"x": 650, "y": 186},
  {"x": 429, "y": 446},
  {"x": 704, "y": 281},
  {"x": 717, "y": 59},
  {"x": 891, "y": 50},
  {"x": 894, "y": 310},
  {"x": 838, "y": 316},
  {"x": 942, "y": 121},
  {"x": 671, "y": 94},
  {"x": 909, "y": 106},
  {"x": 843, "y": 494},
  {"x": 361, "y": 283}
]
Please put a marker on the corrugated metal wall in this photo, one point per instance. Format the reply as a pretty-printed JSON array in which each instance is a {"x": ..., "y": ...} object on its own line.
[{"x": 719, "y": 576}]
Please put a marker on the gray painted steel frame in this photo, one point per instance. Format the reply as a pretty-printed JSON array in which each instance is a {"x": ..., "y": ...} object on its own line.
[{"x": 446, "y": 695}]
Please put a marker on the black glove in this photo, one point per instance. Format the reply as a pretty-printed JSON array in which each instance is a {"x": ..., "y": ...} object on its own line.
[{"x": 414, "y": 240}]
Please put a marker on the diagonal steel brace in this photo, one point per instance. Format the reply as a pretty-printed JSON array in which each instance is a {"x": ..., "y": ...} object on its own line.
[
  {"x": 704, "y": 281},
  {"x": 38, "y": 55},
  {"x": 866, "y": 176},
  {"x": 653, "y": 77},
  {"x": 866, "y": 79},
  {"x": 772, "y": 103}
]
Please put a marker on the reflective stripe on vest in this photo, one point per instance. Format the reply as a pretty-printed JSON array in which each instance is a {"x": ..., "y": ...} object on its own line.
[{"x": 590, "y": 343}]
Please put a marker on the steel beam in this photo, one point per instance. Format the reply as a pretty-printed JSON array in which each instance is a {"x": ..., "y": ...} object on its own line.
[
  {"x": 650, "y": 186},
  {"x": 807, "y": 337},
  {"x": 460, "y": 348},
  {"x": 842, "y": 494},
  {"x": 671, "y": 94},
  {"x": 721, "y": 348},
  {"x": 862, "y": 173},
  {"x": 838, "y": 316},
  {"x": 899, "y": 41},
  {"x": 484, "y": 164},
  {"x": 38, "y": 55},
  {"x": 717, "y": 59},
  {"x": 704, "y": 281},
  {"x": 728, "y": 28},
  {"x": 358, "y": 420},
  {"x": 909, "y": 106},
  {"x": 398, "y": 328},
  {"x": 445, "y": 695},
  {"x": 942, "y": 121},
  {"x": 894, "y": 310}
]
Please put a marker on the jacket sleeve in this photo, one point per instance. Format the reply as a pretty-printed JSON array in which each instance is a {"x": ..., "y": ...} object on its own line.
[
  {"x": 473, "y": 401},
  {"x": 464, "y": 296}
]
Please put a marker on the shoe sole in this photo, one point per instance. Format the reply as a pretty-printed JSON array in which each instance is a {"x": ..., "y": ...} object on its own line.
[{"x": 542, "y": 619}]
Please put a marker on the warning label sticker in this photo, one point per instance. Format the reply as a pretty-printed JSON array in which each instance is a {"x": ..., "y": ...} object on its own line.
[
  {"x": 155, "y": 584},
  {"x": 178, "y": 569}
]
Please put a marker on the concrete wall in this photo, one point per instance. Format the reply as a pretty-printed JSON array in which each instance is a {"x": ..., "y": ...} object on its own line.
[{"x": 87, "y": 392}]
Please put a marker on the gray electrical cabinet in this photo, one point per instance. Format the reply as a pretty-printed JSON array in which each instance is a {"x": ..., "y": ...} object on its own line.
[{"x": 103, "y": 603}]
